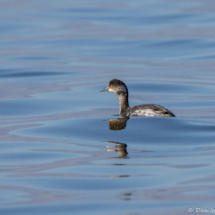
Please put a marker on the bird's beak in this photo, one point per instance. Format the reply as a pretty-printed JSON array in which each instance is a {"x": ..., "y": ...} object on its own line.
[{"x": 106, "y": 89}]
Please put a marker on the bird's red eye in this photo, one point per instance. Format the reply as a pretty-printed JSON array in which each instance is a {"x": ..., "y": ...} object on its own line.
[{"x": 111, "y": 86}]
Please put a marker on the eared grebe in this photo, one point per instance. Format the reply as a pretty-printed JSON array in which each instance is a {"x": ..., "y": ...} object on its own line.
[{"x": 118, "y": 87}]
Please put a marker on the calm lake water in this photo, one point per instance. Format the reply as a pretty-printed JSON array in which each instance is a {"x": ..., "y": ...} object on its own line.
[{"x": 63, "y": 149}]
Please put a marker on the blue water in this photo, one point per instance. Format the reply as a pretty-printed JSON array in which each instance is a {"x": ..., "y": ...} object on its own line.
[{"x": 63, "y": 149}]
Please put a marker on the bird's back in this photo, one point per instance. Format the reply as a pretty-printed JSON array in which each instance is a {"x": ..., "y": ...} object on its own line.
[{"x": 148, "y": 110}]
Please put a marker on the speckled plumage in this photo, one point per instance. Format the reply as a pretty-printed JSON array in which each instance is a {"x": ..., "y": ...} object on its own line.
[
  {"x": 119, "y": 87},
  {"x": 148, "y": 110}
]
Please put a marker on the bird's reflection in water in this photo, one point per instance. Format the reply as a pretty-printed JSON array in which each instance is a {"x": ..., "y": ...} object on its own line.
[
  {"x": 117, "y": 124},
  {"x": 121, "y": 148}
]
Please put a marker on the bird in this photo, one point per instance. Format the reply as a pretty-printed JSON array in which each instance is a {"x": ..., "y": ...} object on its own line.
[{"x": 145, "y": 110}]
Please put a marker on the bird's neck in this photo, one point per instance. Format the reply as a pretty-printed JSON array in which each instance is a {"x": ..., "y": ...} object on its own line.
[{"x": 123, "y": 102}]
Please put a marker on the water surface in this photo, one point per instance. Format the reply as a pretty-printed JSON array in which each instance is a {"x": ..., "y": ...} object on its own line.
[{"x": 64, "y": 149}]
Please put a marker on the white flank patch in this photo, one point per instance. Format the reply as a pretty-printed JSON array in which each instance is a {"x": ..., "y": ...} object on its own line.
[{"x": 146, "y": 112}]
